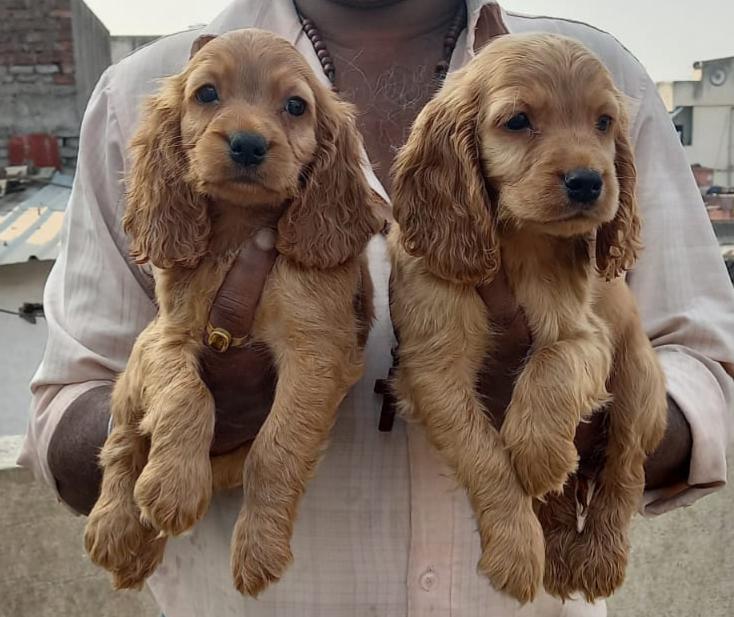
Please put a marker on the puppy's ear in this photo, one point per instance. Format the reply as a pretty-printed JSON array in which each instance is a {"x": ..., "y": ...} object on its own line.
[
  {"x": 333, "y": 216},
  {"x": 440, "y": 198},
  {"x": 618, "y": 242},
  {"x": 199, "y": 42},
  {"x": 167, "y": 222}
]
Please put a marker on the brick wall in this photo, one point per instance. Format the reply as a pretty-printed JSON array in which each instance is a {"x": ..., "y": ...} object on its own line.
[{"x": 43, "y": 86}]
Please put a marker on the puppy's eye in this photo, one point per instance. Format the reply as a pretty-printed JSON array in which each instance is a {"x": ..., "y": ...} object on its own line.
[
  {"x": 603, "y": 123},
  {"x": 518, "y": 122},
  {"x": 295, "y": 106},
  {"x": 207, "y": 94}
]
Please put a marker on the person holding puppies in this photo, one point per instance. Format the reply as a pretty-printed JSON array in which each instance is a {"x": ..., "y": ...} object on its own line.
[{"x": 381, "y": 529}]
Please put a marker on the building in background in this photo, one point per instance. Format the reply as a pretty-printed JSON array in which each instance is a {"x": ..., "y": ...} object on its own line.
[
  {"x": 702, "y": 110},
  {"x": 52, "y": 53}
]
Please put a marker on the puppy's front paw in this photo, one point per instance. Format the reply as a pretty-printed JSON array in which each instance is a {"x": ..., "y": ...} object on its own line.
[
  {"x": 513, "y": 553},
  {"x": 261, "y": 552},
  {"x": 173, "y": 493},
  {"x": 117, "y": 541},
  {"x": 543, "y": 460}
]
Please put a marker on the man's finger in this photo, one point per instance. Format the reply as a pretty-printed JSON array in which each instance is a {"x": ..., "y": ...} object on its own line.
[{"x": 238, "y": 297}]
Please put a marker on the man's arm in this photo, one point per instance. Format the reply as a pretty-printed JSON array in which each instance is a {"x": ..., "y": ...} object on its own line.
[
  {"x": 670, "y": 463},
  {"x": 95, "y": 303},
  {"x": 74, "y": 448},
  {"x": 686, "y": 303}
]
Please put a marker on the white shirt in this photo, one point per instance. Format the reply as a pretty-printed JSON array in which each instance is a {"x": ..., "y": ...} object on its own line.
[{"x": 383, "y": 529}]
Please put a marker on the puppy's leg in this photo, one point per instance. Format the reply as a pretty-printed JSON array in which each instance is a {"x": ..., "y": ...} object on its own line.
[
  {"x": 562, "y": 382},
  {"x": 175, "y": 487},
  {"x": 311, "y": 326},
  {"x": 637, "y": 418},
  {"x": 558, "y": 516},
  {"x": 510, "y": 534},
  {"x": 114, "y": 537},
  {"x": 443, "y": 340}
]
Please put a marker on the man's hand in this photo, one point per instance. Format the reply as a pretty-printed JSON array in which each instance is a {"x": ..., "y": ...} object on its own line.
[{"x": 242, "y": 381}]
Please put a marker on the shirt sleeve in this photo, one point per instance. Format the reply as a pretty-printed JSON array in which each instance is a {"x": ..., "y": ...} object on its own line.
[
  {"x": 686, "y": 300},
  {"x": 95, "y": 301}
]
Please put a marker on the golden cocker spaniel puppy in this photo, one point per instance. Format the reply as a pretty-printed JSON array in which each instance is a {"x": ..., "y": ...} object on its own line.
[
  {"x": 244, "y": 131},
  {"x": 522, "y": 161}
]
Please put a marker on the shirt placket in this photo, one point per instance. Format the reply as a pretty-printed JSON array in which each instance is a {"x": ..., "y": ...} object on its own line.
[{"x": 431, "y": 529}]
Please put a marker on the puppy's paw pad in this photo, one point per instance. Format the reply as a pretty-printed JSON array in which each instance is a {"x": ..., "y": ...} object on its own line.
[
  {"x": 513, "y": 558},
  {"x": 559, "y": 579},
  {"x": 543, "y": 463},
  {"x": 112, "y": 533},
  {"x": 602, "y": 569},
  {"x": 173, "y": 498},
  {"x": 260, "y": 555},
  {"x": 117, "y": 541},
  {"x": 145, "y": 563}
]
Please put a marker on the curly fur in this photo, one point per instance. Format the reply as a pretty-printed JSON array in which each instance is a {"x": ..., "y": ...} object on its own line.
[
  {"x": 471, "y": 194},
  {"x": 190, "y": 209}
]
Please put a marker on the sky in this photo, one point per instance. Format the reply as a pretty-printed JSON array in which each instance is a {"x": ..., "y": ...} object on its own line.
[{"x": 667, "y": 36}]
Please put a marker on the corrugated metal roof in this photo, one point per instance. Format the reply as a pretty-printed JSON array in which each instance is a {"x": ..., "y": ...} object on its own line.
[{"x": 31, "y": 221}]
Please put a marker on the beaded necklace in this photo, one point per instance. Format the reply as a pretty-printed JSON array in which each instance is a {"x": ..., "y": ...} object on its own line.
[{"x": 458, "y": 23}]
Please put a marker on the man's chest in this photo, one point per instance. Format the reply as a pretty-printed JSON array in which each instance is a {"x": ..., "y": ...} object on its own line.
[{"x": 388, "y": 97}]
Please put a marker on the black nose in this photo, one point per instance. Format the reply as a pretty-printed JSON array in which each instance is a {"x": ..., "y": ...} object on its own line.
[
  {"x": 247, "y": 149},
  {"x": 583, "y": 185}
]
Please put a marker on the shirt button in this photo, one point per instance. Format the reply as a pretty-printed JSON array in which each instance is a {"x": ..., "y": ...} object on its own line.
[{"x": 428, "y": 580}]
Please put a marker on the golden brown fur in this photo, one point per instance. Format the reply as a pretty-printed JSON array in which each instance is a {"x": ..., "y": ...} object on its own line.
[
  {"x": 189, "y": 211},
  {"x": 471, "y": 195}
]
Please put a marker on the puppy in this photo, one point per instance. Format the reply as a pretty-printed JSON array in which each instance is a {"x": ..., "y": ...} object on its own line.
[
  {"x": 523, "y": 160},
  {"x": 244, "y": 133}
]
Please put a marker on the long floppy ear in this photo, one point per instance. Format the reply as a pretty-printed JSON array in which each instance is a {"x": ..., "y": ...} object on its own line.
[
  {"x": 439, "y": 195},
  {"x": 618, "y": 242},
  {"x": 333, "y": 216},
  {"x": 166, "y": 220}
]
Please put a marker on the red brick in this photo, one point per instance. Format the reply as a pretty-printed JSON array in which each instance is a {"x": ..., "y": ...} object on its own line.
[
  {"x": 66, "y": 56},
  {"x": 63, "y": 13},
  {"x": 47, "y": 57},
  {"x": 17, "y": 14},
  {"x": 34, "y": 37},
  {"x": 66, "y": 80},
  {"x": 21, "y": 58}
]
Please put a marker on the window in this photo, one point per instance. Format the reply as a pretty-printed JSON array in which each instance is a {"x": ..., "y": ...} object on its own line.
[{"x": 683, "y": 120}]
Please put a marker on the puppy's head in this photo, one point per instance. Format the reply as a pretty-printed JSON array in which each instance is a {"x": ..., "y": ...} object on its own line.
[
  {"x": 532, "y": 134},
  {"x": 247, "y": 123}
]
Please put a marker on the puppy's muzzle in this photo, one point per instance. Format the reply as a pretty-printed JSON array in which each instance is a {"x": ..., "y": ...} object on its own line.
[
  {"x": 583, "y": 186},
  {"x": 248, "y": 149}
]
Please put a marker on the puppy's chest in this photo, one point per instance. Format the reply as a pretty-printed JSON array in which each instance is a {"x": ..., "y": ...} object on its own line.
[{"x": 553, "y": 286}]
